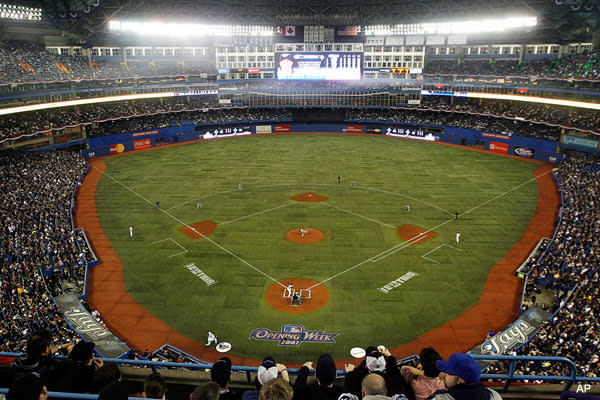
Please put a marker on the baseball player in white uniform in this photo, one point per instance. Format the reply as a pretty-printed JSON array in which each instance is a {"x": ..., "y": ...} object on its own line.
[
  {"x": 288, "y": 290},
  {"x": 303, "y": 231},
  {"x": 131, "y": 232},
  {"x": 199, "y": 205},
  {"x": 407, "y": 208},
  {"x": 457, "y": 237},
  {"x": 211, "y": 338}
]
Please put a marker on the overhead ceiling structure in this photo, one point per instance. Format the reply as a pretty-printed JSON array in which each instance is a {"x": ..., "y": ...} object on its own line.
[{"x": 568, "y": 19}]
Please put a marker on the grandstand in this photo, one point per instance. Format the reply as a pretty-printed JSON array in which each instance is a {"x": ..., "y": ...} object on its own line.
[{"x": 388, "y": 177}]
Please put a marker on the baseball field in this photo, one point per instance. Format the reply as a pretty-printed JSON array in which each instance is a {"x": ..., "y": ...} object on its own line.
[{"x": 379, "y": 262}]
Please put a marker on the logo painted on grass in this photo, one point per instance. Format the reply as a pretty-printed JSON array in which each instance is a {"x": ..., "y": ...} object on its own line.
[
  {"x": 293, "y": 335},
  {"x": 198, "y": 272},
  {"x": 398, "y": 282}
]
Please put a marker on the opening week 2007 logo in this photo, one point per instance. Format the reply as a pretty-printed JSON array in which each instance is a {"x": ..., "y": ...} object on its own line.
[{"x": 292, "y": 335}]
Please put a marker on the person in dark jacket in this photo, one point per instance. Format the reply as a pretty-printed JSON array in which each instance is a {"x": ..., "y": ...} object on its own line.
[
  {"x": 27, "y": 387},
  {"x": 76, "y": 373},
  {"x": 379, "y": 361},
  {"x": 323, "y": 388},
  {"x": 462, "y": 380},
  {"x": 221, "y": 374}
]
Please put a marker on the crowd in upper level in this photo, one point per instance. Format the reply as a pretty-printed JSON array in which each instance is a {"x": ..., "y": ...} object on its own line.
[
  {"x": 580, "y": 66},
  {"x": 22, "y": 61}
]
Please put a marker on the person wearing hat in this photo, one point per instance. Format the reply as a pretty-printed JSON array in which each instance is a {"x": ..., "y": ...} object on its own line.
[
  {"x": 379, "y": 361},
  {"x": 462, "y": 380},
  {"x": 221, "y": 374},
  {"x": 323, "y": 388},
  {"x": 27, "y": 387},
  {"x": 267, "y": 371},
  {"x": 424, "y": 380},
  {"x": 76, "y": 373}
]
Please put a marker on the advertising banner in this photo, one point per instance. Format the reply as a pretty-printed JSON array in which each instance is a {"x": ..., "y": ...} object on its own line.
[
  {"x": 282, "y": 128},
  {"x": 117, "y": 148},
  {"x": 354, "y": 129},
  {"x": 500, "y": 136},
  {"x": 410, "y": 132},
  {"x": 378, "y": 130},
  {"x": 263, "y": 128},
  {"x": 524, "y": 152},
  {"x": 223, "y": 131},
  {"x": 142, "y": 144},
  {"x": 579, "y": 141},
  {"x": 147, "y": 133},
  {"x": 501, "y": 148}
]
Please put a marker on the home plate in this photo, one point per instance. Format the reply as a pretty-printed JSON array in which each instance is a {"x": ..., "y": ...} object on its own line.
[
  {"x": 223, "y": 347},
  {"x": 358, "y": 352}
]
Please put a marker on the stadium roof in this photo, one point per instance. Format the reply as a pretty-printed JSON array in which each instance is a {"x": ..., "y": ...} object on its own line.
[{"x": 570, "y": 19}]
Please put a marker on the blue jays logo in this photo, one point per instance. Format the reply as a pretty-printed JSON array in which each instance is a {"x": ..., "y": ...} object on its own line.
[{"x": 292, "y": 335}]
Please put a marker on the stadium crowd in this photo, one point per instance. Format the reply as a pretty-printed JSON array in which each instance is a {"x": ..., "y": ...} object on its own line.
[
  {"x": 580, "y": 66},
  {"x": 37, "y": 241},
  {"x": 22, "y": 61},
  {"x": 540, "y": 121},
  {"x": 570, "y": 268}
]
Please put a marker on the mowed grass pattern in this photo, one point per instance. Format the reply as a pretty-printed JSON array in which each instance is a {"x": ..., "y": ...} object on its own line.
[{"x": 358, "y": 222}]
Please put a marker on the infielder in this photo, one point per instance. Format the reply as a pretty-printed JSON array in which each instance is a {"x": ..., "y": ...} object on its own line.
[
  {"x": 457, "y": 237},
  {"x": 211, "y": 338},
  {"x": 240, "y": 187},
  {"x": 131, "y": 232},
  {"x": 199, "y": 205},
  {"x": 407, "y": 208}
]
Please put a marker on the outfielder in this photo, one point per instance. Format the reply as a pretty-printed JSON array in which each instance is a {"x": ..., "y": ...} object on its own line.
[
  {"x": 131, "y": 232},
  {"x": 457, "y": 237},
  {"x": 199, "y": 205},
  {"x": 407, "y": 208},
  {"x": 240, "y": 187},
  {"x": 211, "y": 338}
]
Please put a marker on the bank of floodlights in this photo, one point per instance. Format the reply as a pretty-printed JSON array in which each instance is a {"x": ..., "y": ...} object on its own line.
[
  {"x": 188, "y": 30},
  {"x": 11, "y": 11},
  {"x": 455, "y": 27}
]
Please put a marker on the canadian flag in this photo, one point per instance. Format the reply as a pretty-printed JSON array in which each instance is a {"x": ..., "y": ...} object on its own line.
[{"x": 290, "y": 30}]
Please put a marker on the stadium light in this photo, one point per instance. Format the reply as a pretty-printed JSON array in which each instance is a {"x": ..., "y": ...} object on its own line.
[
  {"x": 455, "y": 27},
  {"x": 11, "y": 11},
  {"x": 176, "y": 29}
]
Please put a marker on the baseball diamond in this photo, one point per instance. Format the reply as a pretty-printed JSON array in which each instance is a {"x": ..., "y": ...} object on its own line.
[{"x": 364, "y": 244}]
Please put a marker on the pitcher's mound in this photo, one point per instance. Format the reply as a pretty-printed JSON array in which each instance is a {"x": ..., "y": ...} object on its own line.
[
  {"x": 415, "y": 234},
  {"x": 312, "y": 236},
  {"x": 312, "y": 299},
  {"x": 199, "y": 229},
  {"x": 310, "y": 196}
]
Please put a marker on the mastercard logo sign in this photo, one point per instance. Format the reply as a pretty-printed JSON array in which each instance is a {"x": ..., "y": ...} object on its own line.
[{"x": 117, "y": 148}]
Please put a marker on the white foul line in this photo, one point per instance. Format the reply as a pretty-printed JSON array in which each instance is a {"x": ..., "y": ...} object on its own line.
[
  {"x": 174, "y": 241},
  {"x": 412, "y": 240},
  {"x": 441, "y": 245},
  {"x": 358, "y": 215},
  {"x": 194, "y": 230},
  {"x": 257, "y": 213},
  {"x": 202, "y": 197}
]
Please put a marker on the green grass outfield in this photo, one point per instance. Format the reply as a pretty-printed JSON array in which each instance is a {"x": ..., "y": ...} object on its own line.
[{"x": 358, "y": 223}]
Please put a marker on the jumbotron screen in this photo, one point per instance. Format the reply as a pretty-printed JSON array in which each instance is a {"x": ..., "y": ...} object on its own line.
[{"x": 319, "y": 66}]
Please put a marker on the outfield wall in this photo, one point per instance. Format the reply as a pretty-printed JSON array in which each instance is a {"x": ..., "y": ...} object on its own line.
[{"x": 526, "y": 147}]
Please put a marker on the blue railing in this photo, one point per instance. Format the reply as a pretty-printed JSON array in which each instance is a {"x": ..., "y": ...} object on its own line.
[{"x": 65, "y": 395}]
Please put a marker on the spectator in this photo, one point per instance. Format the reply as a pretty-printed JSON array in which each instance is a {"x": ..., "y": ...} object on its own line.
[
  {"x": 105, "y": 375},
  {"x": 221, "y": 374},
  {"x": 76, "y": 374},
  {"x": 267, "y": 371},
  {"x": 114, "y": 391},
  {"x": 155, "y": 386},
  {"x": 425, "y": 380},
  {"x": 276, "y": 389},
  {"x": 208, "y": 391},
  {"x": 462, "y": 380},
  {"x": 323, "y": 388},
  {"x": 379, "y": 362},
  {"x": 27, "y": 387}
]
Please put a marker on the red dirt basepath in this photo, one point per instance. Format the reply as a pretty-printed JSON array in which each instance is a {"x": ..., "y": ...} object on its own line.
[
  {"x": 312, "y": 236},
  {"x": 310, "y": 196},
  {"x": 319, "y": 296},
  {"x": 199, "y": 229},
  {"x": 411, "y": 233}
]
